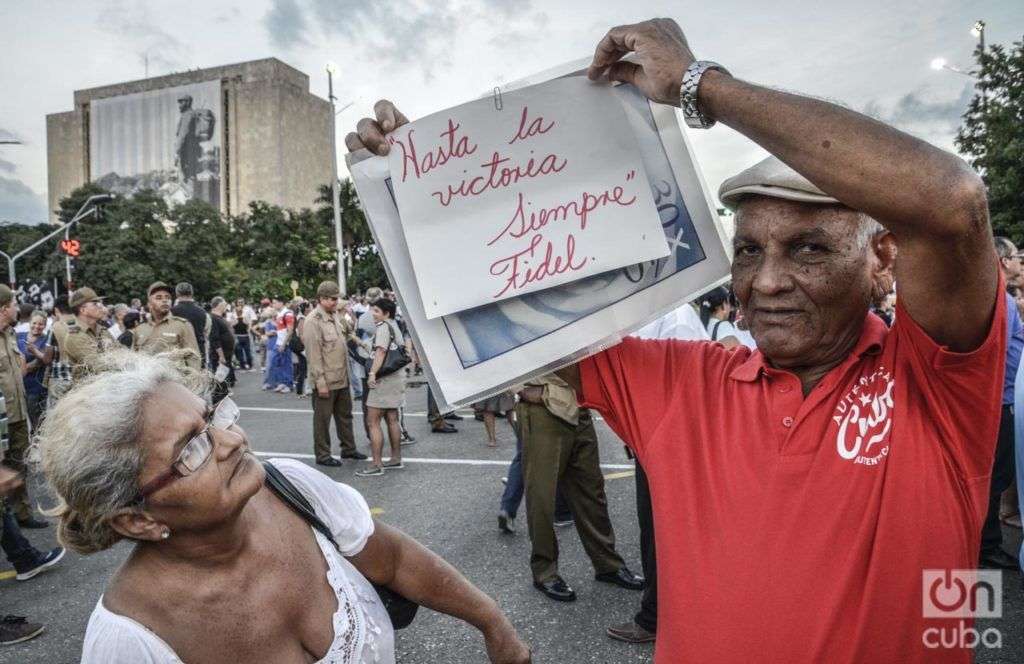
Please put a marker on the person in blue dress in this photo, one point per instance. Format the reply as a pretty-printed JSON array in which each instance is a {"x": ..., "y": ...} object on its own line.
[
  {"x": 278, "y": 376},
  {"x": 35, "y": 346}
]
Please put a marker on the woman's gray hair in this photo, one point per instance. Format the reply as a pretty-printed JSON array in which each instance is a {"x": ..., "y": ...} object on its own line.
[{"x": 89, "y": 442}]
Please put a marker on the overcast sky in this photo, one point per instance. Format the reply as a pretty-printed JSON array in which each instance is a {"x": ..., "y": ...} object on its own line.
[{"x": 871, "y": 55}]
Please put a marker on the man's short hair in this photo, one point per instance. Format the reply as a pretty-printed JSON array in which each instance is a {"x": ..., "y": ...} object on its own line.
[
  {"x": 216, "y": 302},
  {"x": 1005, "y": 247},
  {"x": 183, "y": 289},
  {"x": 373, "y": 293},
  {"x": 25, "y": 310}
]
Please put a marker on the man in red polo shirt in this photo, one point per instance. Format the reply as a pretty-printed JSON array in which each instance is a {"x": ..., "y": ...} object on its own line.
[{"x": 801, "y": 490}]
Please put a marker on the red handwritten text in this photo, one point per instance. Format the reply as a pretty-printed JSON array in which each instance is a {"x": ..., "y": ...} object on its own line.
[
  {"x": 498, "y": 176},
  {"x": 517, "y": 274},
  {"x": 457, "y": 147},
  {"x": 534, "y": 128},
  {"x": 523, "y": 222}
]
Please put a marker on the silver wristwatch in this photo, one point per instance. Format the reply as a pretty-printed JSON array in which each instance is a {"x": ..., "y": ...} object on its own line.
[{"x": 688, "y": 93}]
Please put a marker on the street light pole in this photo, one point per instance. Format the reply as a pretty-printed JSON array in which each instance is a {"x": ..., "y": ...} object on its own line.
[
  {"x": 335, "y": 192},
  {"x": 91, "y": 206},
  {"x": 979, "y": 31}
]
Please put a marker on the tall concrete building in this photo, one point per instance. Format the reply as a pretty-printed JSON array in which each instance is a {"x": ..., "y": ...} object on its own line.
[{"x": 227, "y": 135}]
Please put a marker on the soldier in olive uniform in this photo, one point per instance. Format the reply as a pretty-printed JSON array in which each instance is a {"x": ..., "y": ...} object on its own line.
[
  {"x": 560, "y": 453},
  {"x": 163, "y": 331},
  {"x": 12, "y": 363},
  {"x": 85, "y": 337},
  {"x": 325, "y": 334}
]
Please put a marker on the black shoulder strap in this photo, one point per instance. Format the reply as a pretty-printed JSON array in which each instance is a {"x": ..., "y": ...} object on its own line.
[
  {"x": 292, "y": 497},
  {"x": 714, "y": 331}
]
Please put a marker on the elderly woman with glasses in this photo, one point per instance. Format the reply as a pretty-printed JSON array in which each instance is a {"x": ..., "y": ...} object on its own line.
[{"x": 222, "y": 569}]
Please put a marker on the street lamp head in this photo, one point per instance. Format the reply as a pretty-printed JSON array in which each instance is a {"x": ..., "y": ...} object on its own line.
[
  {"x": 978, "y": 28},
  {"x": 938, "y": 63},
  {"x": 331, "y": 68}
]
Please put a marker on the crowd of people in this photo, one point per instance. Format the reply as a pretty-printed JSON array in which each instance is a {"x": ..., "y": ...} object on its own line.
[{"x": 809, "y": 439}]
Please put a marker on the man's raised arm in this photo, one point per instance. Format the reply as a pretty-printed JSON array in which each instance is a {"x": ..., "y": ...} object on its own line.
[{"x": 929, "y": 199}]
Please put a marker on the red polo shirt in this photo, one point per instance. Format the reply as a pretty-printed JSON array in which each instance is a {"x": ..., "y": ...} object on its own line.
[{"x": 792, "y": 528}]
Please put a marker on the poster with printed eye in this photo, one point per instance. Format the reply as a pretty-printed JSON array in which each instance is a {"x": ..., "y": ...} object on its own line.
[
  {"x": 544, "y": 191},
  {"x": 472, "y": 354}
]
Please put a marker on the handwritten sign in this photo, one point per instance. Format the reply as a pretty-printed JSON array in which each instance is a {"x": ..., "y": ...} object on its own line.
[{"x": 545, "y": 191}]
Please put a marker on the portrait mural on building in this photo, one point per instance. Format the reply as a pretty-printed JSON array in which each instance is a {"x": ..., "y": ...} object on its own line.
[{"x": 167, "y": 140}]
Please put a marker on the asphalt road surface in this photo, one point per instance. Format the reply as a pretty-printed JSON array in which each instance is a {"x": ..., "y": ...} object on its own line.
[{"x": 447, "y": 498}]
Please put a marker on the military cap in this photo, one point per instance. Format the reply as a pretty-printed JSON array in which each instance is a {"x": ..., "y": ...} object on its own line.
[
  {"x": 328, "y": 289},
  {"x": 159, "y": 286},
  {"x": 6, "y": 295},
  {"x": 773, "y": 178},
  {"x": 83, "y": 295}
]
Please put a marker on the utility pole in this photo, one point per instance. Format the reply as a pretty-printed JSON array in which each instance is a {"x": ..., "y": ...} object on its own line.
[{"x": 335, "y": 192}]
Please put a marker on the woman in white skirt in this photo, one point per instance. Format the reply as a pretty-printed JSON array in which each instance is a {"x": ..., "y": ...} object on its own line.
[{"x": 386, "y": 392}]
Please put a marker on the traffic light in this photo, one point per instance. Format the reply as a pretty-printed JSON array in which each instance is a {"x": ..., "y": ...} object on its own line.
[{"x": 71, "y": 248}]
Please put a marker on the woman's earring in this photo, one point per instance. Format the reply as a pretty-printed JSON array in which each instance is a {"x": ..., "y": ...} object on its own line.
[{"x": 165, "y": 534}]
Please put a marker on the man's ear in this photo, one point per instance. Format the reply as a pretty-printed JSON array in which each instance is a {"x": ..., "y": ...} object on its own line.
[
  {"x": 884, "y": 246},
  {"x": 138, "y": 524}
]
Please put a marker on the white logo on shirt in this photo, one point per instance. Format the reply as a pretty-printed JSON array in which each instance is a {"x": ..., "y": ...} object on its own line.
[{"x": 864, "y": 418}]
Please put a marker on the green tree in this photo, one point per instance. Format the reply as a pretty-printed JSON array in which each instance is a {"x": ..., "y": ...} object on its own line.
[
  {"x": 199, "y": 238},
  {"x": 272, "y": 246},
  {"x": 14, "y": 238},
  {"x": 124, "y": 249},
  {"x": 367, "y": 267},
  {"x": 992, "y": 135}
]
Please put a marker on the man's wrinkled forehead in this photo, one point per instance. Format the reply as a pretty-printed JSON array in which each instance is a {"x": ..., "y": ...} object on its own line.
[{"x": 762, "y": 218}]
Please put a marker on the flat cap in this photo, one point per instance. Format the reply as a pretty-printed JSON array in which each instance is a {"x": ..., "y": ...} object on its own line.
[
  {"x": 83, "y": 295},
  {"x": 159, "y": 286},
  {"x": 771, "y": 177}
]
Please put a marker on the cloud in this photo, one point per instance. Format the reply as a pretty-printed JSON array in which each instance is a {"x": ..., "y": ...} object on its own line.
[
  {"x": 286, "y": 24},
  {"x": 229, "y": 15},
  {"x": 398, "y": 32},
  {"x": 508, "y": 7},
  {"x": 19, "y": 204},
  {"x": 916, "y": 113},
  {"x": 164, "y": 51}
]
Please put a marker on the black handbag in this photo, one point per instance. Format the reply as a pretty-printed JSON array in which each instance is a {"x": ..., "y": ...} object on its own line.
[
  {"x": 400, "y": 609},
  {"x": 395, "y": 359}
]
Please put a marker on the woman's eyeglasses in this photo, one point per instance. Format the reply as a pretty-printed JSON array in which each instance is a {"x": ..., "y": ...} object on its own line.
[{"x": 197, "y": 450}]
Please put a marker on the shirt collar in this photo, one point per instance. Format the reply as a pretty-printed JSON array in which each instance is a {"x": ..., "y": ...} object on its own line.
[{"x": 870, "y": 343}]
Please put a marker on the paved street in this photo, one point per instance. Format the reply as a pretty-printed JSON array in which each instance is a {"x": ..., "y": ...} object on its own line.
[{"x": 446, "y": 497}]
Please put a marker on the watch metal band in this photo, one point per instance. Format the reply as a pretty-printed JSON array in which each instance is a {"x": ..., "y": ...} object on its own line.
[{"x": 688, "y": 93}]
